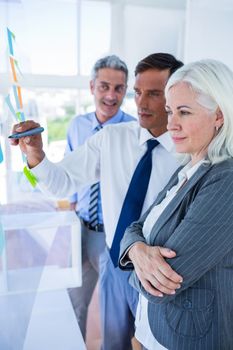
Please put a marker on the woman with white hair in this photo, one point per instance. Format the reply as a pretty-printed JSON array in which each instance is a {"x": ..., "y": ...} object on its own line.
[{"x": 181, "y": 250}]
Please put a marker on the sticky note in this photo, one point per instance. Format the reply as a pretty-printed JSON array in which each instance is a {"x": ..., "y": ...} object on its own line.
[
  {"x": 10, "y": 35},
  {"x": 22, "y": 116},
  {"x": 13, "y": 69},
  {"x": 31, "y": 178},
  {"x": 20, "y": 96},
  {"x": 1, "y": 154},
  {"x": 24, "y": 158},
  {"x": 18, "y": 114}
]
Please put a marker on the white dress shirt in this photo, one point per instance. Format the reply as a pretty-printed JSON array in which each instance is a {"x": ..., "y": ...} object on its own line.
[
  {"x": 143, "y": 332},
  {"x": 110, "y": 156}
]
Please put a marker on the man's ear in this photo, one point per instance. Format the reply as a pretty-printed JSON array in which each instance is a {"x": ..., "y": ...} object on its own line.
[
  {"x": 126, "y": 87},
  {"x": 92, "y": 86},
  {"x": 219, "y": 118}
]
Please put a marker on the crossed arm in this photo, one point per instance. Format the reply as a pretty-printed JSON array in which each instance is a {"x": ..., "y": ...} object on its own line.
[{"x": 198, "y": 243}]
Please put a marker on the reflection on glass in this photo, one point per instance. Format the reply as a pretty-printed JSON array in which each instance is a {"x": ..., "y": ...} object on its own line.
[{"x": 40, "y": 260}]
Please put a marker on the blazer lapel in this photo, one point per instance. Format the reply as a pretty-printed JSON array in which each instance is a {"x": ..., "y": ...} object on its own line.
[
  {"x": 170, "y": 184},
  {"x": 172, "y": 206}
]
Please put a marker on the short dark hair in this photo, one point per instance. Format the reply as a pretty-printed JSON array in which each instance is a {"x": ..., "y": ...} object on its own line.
[
  {"x": 160, "y": 61},
  {"x": 111, "y": 61}
]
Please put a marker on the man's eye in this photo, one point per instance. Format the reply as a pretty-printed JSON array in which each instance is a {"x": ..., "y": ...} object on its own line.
[
  {"x": 154, "y": 94},
  {"x": 103, "y": 87},
  {"x": 120, "y": 89},
  {"x": 137, "y": 93}
]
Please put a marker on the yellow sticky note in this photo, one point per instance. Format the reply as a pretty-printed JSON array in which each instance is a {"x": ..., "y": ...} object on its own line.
[
  {"x": 31, "y": 178},
  {"x": 20, "y": 96},
  {"x": 13, "y": 69}
]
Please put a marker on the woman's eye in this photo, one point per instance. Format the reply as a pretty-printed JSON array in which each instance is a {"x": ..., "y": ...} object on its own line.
[{"x": 185, "y": 112}]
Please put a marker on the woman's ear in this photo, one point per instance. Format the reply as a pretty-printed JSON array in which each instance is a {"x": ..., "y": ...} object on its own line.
[{"x": 219, "y": 118}]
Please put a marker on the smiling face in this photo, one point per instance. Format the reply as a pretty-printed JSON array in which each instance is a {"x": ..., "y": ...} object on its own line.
[
  {"x": 109, "y": 89},
  {"x": 149, "y": 97},
  {"x": 192, "y": 126}
]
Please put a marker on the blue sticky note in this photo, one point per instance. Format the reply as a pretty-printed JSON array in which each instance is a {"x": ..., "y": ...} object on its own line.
[
  {"x": 24, "y": 158},
  {"x": 10, "y": 35},
  {"x": 1, "y": 154},
  {"x": 22, "y": 116}
]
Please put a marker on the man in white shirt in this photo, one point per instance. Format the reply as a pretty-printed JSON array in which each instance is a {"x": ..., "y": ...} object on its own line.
[
  {"x": 108, "y": 86},
  {"x": 111, "y": 156}
]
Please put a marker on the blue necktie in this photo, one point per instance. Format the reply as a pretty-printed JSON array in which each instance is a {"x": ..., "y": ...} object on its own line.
[
  {"x": 134, "y": 199},
  {"x": 94, "y": 195}
]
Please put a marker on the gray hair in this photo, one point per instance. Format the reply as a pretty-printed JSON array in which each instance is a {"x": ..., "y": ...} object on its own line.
[
  {"x": 111, "y": 61},
  {"x": 213, "y": 82}
]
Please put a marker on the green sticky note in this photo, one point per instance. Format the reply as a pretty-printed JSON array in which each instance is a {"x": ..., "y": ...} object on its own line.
[
  {"x": 18, "y": 114},
  {"x": 31, "y": 178},
  {"x": 2, "y": 239}
]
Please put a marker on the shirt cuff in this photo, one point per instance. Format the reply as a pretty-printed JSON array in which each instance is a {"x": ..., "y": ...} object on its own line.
[
  {"x": 125, "y": 260},
  {"x": 41, "y": 170}
]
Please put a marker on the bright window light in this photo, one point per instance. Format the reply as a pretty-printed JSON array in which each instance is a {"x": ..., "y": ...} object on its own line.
[
  {"x": 46, "y": 35},
  {"x": 95, "y": 33}
]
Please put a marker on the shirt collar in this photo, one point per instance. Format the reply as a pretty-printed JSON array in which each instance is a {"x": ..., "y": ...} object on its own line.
[
  {"x": 189, "y": 170},
  {"x": 114, "y": 120},
  {"x": 164, "y": 139}
]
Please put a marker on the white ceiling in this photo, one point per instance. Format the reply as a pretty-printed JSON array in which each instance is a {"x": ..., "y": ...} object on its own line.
[
  {"x": 176, "y": 4},
  {"x": 10, "y": 1},
  {"x": 173, "y": 4}
]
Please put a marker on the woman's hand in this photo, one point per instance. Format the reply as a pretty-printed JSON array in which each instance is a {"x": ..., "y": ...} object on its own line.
[
  {"x": 31, "y": 146},
  {"x": 154, "y": 273}
]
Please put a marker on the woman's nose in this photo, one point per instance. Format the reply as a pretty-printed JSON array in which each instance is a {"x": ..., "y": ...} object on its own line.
[{"x": 172, "y": 121}]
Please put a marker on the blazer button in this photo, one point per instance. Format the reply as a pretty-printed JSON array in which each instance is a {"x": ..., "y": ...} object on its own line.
[{"x": 187, "y": 304}]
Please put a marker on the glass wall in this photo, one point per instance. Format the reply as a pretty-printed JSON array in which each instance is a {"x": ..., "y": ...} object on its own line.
[{"x": 56, "y": 43}]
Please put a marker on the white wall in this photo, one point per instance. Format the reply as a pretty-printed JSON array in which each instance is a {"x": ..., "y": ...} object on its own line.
[
  {"x": 149, "y": 30},
  {"x": 209, "y": 29}
]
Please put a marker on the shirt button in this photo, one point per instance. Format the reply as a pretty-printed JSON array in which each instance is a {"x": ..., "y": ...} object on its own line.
[{"x": 187, "y": 304}]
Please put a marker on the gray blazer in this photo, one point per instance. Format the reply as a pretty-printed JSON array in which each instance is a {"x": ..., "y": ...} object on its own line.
[{"x": 198, "y": 225}]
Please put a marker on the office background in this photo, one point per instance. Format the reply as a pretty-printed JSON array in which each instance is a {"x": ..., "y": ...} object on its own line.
[{"x": 57, "y": 42}]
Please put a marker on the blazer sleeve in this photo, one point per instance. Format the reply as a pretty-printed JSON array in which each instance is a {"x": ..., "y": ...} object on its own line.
[
  {"x": 203, "y": 237},
  {"x": 133, "y": 234}
]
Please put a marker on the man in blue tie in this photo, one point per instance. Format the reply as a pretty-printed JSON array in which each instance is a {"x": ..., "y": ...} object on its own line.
[
  {"x": 108, "y": 86},
  {"x": 114, "y": 156}
]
